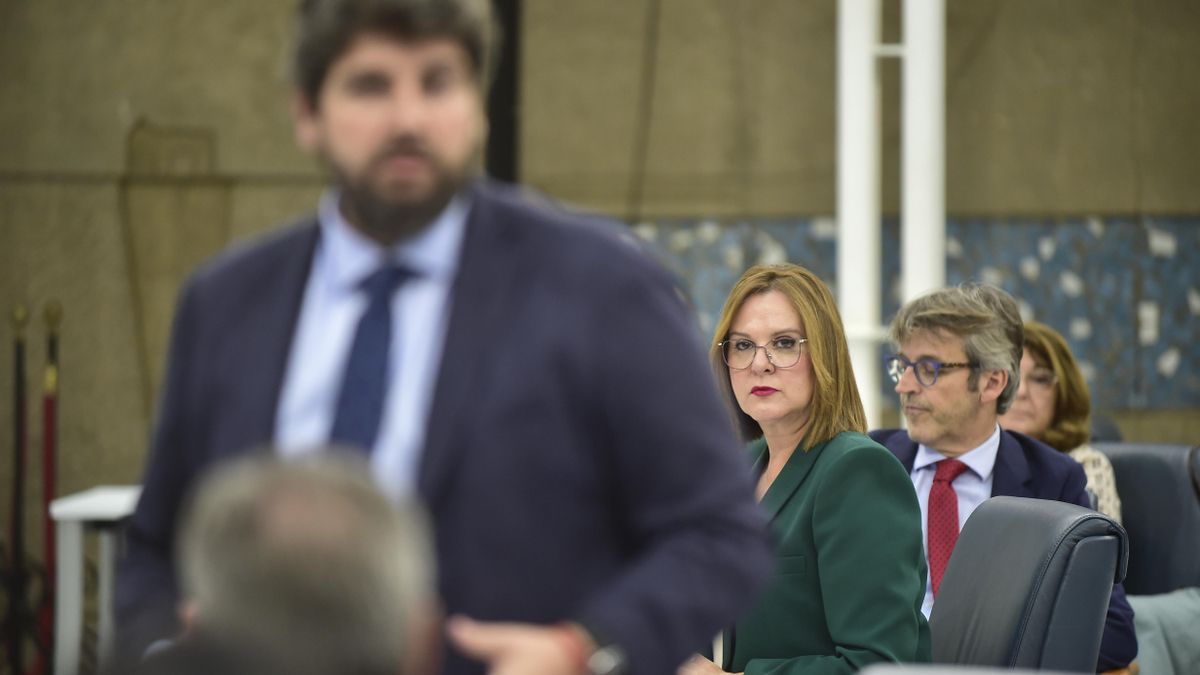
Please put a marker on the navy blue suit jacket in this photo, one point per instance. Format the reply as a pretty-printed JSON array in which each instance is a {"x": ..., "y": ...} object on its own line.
[
  {"x": 1026, "y": 467},
  {"x": 579, "y": 464}
]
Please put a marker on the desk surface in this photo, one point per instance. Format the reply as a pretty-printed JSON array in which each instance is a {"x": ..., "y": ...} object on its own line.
[{"x": 101, "y": 503}]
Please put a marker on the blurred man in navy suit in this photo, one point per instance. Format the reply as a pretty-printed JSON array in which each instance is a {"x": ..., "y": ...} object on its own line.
[{"x": 533, "y": 377}]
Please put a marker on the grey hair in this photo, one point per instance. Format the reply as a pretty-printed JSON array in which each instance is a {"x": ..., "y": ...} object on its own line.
[
  {"x": 986, "y": 319},
  {"x": 306, "y": 561}
]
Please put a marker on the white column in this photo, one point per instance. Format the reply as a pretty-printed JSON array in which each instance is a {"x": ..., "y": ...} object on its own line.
[
  {"x": 858, "y": 247},
  {"x": 106, "y": 566},
  {"x": 923, "y": 172},
  {"x": 68, "y": 597}
]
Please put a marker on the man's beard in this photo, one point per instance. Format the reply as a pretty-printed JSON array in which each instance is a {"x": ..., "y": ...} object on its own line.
[{"x": 389, "y": 218}]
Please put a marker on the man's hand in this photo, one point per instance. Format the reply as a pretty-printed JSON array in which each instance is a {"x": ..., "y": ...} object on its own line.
[
  {"x": 516, "y": 648},
  {"x": 698, "y": 665}
]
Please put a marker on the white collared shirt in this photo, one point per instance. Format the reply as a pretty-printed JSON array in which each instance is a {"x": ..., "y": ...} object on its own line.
[
  {"x": 973, "y": 487},
  {"x": 329, "y": 315}
]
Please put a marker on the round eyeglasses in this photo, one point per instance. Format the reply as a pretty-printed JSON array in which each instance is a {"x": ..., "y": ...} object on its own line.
[
  {"x": 925, "y": 368},
  {"x": 782, "y": 352}
]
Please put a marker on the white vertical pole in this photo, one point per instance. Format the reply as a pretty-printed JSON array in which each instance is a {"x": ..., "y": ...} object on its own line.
[
  {"x": 923, "y": 171},
  {"x": 858, "y": 247},
  {"x": 106, "y": 568},
  {"x": 68, "y": 597}
]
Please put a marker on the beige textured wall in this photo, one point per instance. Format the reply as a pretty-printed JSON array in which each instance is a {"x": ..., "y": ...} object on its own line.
[
  {"x": 1053, "y": 106},
  {"x": 741, "y": 121},
  {"x": 138, "y": 136},
  {"x": 1072, "y": 106},
  {"x": 78, "y": 75}
]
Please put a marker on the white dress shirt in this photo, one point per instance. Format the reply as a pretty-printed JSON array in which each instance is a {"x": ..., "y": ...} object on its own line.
[
  {"x": 329, "y": 315},
  {"x": 973, "y": 486}
]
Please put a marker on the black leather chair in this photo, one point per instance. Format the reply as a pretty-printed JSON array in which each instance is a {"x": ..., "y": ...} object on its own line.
[
  {"x": 1105, "y": 429},
  {"x": 1159, "y": 486},
  {"x": 1027, "y": 586}
]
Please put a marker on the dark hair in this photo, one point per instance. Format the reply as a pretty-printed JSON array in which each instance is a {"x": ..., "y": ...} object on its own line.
[{"x": 325, "y": 28}]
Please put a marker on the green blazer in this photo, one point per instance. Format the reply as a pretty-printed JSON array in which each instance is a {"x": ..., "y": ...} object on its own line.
[{"x": 848, "y": 588}]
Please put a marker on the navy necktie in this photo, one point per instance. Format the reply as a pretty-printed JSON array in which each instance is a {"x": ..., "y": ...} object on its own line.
[{"x": 364, "y": 383}]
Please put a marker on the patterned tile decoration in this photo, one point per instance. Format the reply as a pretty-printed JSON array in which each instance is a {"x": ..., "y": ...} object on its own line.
[{"x": 1124, "y": 291}]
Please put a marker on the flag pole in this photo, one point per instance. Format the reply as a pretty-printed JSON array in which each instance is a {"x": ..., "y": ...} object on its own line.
[
  {"x": 15, "y": 622},
  {"x": 52, "y": 315}
]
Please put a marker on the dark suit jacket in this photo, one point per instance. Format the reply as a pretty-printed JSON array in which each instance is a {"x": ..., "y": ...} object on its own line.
[
  {"x": 578, "y": 465},
  {"x": 851, "y": 576},
  {"x": 1026, "y": 467}
]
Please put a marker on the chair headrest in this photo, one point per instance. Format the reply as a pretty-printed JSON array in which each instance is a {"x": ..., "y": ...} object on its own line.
[{"x": 1064, "y": 522}]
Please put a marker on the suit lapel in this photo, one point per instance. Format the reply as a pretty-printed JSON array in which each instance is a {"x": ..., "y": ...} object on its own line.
[
  {"x": 1011, "y": 477},
  {"x": 486, "y": 272},
  {"x": 797, "y": 469},
  {"x": 799, "y": 466},
  {"x": 265, "y": 338}
]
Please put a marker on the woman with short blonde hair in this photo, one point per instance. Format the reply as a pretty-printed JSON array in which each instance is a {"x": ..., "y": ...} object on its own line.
[{"x": 850, "y": 581}]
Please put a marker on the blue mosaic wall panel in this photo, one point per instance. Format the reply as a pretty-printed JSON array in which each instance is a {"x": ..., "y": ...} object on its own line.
[{"x": 1124, "y": 291}]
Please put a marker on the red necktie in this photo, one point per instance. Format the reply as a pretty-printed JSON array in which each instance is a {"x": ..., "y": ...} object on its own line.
[{"x": 943, "y": 518}]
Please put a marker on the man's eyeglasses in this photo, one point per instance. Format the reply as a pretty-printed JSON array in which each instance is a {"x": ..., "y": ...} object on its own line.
[
  {"x": 782, "y": 352},
  {"x": 925, "y": 368}
]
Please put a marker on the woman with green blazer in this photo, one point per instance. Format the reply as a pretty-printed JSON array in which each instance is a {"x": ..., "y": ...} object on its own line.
[{"x": 850, "y": 577}]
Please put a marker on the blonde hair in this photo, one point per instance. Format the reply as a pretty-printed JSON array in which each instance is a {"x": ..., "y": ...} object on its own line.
[
  {"x": 1071, "y": 425},
  {"x": 836, "y": 405}
]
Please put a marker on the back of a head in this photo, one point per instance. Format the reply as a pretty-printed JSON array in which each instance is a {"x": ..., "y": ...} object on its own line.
[
  {"x": 306, "y": 565},
  {"x": 987, "y": 320}
]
